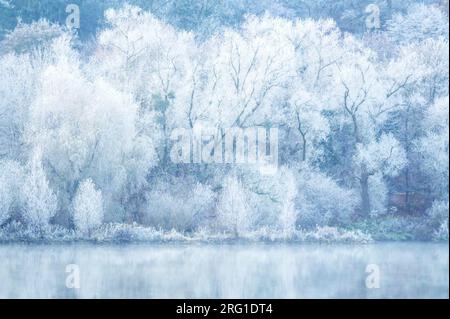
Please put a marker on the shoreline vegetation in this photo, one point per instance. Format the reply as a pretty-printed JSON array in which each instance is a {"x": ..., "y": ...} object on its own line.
[
  {"x": 150, "y": 130},
  {"x": 119, "y": 233}
]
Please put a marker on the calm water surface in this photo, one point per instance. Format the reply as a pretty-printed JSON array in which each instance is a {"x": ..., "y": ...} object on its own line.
[{"x": 406, "y": 270}]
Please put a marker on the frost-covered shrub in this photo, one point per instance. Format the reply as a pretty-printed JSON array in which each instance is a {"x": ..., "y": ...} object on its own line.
[
  {"x": 438, "y": 213},
  {"x": 5, "y": 201},
  {"x": 438, "y": 220},
  {"x": 18, "y": 231},
  {"x": 115, "y": 232},
  {"x": 40, "y": 202},
  {"x": 321, "y": 201},
  {"x": 178, "y": 204},
  {"x": 288, "y": 214},
  {"x": 11, "y": 179},
  {"x": 273, "y": 199},
  {"x": 87, "y": 207},
  {"x": 258, "y": 194},
  {"x": 335, "y": 235},
  {"x": 270, "y": 199},
  {"x": 442, "y": 232},
  {"x": 395, "y": 227},
  {"x": 234, "y": 213}
]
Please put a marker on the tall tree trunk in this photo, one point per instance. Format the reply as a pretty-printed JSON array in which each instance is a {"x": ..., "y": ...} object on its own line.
[
  {"x": 364, "y": 177},
  {"x": 407, "y": 192},
  {"x": 407, "y": 149},
  {"x": 165, "y": 155},
  {"x": 303, "y": 135},
  {"x": 303, "y": 147},
  {"x": 365, "y": 198}
]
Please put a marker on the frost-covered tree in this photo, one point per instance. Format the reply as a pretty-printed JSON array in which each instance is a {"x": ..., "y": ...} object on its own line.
[
  {"x": 418, "y": 75},
  {"x": 155, "y": 63},
  {"x": 421, "y": 68},
  {"x": 234, "y": 213},
  {"x": 385, "y": 156},
  {"x": 318, "y": 49},
  {"x": 288, "y": 213},
  {"x": 246, "y": 76},
  {"x": 87, "y": 129},
  {"x": 40, "y": 202},
  {"x": 419, "y": 23},
  {"x": 367, "y": 101},
  {"x": 29, "y": 37},
  {"x": 87, "y": 207},
  {"x": 434, "y": 146},
  {"x": 11, "y": 179},
  {"x": 18, "y": 86},
  {"x": 305, "y": 114}
]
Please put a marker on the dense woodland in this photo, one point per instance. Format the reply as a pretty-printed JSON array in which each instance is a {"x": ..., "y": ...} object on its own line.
[{"x": 86, "y": 117}]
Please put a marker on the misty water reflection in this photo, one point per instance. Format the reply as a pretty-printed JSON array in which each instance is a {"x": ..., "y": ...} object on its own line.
[{"x": 407, "y": 270}]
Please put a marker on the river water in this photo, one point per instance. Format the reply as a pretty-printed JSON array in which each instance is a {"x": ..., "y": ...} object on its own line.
[{"x": 382, "y": 270}]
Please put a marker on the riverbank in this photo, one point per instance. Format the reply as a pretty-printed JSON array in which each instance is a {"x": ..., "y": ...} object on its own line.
[
  {"x": 134, "y": 233},
  {"x": 129, "y": 233}
]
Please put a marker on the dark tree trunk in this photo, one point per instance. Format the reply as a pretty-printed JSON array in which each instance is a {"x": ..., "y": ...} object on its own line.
[
  {"x": 303, "y": 148},
  {"x": 365, "y": 198}
]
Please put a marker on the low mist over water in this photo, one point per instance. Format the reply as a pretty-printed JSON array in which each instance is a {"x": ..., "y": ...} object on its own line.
[{"x": 406, "y": 270}]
